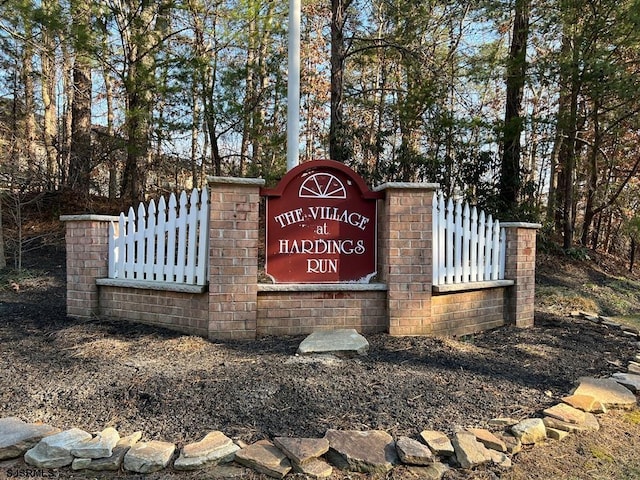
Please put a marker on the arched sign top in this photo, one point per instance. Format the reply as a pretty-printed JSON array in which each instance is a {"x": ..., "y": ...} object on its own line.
[
  {"x": 320, "y": 176},
  {"x": 321, "y": 226}
]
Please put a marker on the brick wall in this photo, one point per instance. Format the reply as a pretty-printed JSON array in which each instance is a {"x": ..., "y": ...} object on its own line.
[
  {"x": 463, "y": 313},
  {"x": 295, "y": 313},
  {"x": 87, "y": 238},
  {"x": 407, "y": 257},
  {"x": 520, "y": 267},
  {"x": 233, "y": 257},
  {"x": 237, "y": 307},
  {"x": 185, "y": 312}
]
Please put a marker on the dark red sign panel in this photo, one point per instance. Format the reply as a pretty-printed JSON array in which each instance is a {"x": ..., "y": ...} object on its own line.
[{"x": 321, "y": 226}]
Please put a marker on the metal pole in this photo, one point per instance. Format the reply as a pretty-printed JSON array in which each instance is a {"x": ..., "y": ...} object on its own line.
[{"x": 293, "y": 87}]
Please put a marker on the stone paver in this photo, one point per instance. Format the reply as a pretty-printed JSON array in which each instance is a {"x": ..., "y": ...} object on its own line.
[
  {"x": 566, "y": 413},
  {"x": 314, "y": 468},
  {"x": 488, "y": 439},
  {"x": 590, "y": 423},
  {"x": 530, "y": 431},
  {"x": 628, "y": 380},
  {"x": 607, "y": 391},
  {"x": 148, "y": 457},
  {"x": 412, "y": 452},
  {"x": 100, "y": 446},
  {"x": 54, "y": 451},
  {"x": 213, "y": 449},
  {"x": 114, "y": 462},
  {"x": 438, "y": 442},
  {"x": 302, "y": 450},
  {"x": 17, "y": 436},
  {"x": 264, "y": 457},
  {"x": 586, "y": 403},
  {"x": 372, "y": 451},
  {"x": 345, "y": 342},
  {"x": 469, "y": 452}
]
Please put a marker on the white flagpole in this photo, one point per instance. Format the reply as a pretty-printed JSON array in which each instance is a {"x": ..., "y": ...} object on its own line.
[{"x": 293, "y": 87}]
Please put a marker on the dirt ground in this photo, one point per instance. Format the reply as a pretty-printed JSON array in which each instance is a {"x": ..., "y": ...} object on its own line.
[{"x": 173, "y": 387}]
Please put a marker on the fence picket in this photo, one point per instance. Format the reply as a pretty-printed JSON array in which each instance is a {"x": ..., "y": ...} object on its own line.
[
  {"x": 150, "y": 234},
  {"x": 161, "y": 250},
  {"x": 466, "y": 231},
  {"x": 468, "y": 246},
  {"x": 167, "y": 243},
  {"x": 449, "y": 234},
  {"x": 192, "y": 241},
  {"x": 457, "y": 249},
  {"x": 473, "y": 260},
  {"x": 482, "y": 238},
  {"x": 170, "y": 272},
  {"x": 130, "y": 238}
]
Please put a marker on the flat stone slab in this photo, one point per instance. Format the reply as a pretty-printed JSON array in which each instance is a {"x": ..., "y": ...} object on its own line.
[
  {"x": 213, "y": 449},
  {"x": 488, "y": 439},
  {"x": 435, "y": 471},
  {"x": 628, "y": 380},
  {"x": 148, "y": 457},
  {"x": 586, "y": 403},
  {"x": 314, "y": 468},
  {"x": 100, "y": 446},
  {"x": 512, "y": 443},
  {"x": 412, "y": 452},
  {"x": 264, "y": 457},
  {"x": 566, "y": 413},
  {"x": 16, "y": 436},
  {"x": 54, "y": 451},
  {"x": 302, "y": 450},
  {"x": 590, "y": 423},
  {"x": 607, "y": 391},
  {"x": 530, "y": 431},
  {"x": 438, "y": 442},
  {"x": 345, "y": 342},
  {"x": 469, "y": 452},
  {"x": 112, "y": 463},
  {"x": 372, "y": 451}
]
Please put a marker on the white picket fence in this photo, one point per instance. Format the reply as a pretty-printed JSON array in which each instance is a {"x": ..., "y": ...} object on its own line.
[
  {"x": 169, "y": 243},
  {"x": 467, "y": 246}
]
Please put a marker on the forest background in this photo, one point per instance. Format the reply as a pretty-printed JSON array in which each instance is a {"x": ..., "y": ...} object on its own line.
[{"x": 530, "y": 110}]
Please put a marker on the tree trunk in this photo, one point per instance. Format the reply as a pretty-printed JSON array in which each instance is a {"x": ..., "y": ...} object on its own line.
[
  {"x": 337, "y": 143},
  {"x": 49, "y": 82},
  {"x": 592, "y": 180},
  {"x": 510, "y": 181},
  {"x": 567, "y": 126},
  {"x": 81, "y": 148},
  {"x": 147, "y": 20}
]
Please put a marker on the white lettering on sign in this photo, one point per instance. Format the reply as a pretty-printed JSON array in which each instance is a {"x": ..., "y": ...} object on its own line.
[
  {"x": 321, "y": 246},
  {"x": 322, "y": 265},
  {"x": 297, "y": 215},
  {"x": 290, "y": 217},
  {"x": 334, "y": 213}
]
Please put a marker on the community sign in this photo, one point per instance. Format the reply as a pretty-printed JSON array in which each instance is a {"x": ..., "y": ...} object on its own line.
[{"x": 321, "y": 226}]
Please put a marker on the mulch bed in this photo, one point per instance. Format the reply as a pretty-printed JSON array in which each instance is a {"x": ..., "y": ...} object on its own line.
[{"x": 173, "y": 387}]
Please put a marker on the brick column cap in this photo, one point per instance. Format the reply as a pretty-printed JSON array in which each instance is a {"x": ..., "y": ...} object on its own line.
[
  {"x": 88, "y": 218},
  {"x": 406, "y": 186},
  {"x": 249, "y": 182},
  {"x": 535, "y": 226}
]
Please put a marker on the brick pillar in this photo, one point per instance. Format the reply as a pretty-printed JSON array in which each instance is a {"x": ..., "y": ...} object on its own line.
[
  {"x": 407, "y": 255},
  {"x": 233, "y": 257},
  {"x": 87, "y": 246},
  {"x": 520, "y": 266}
]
